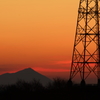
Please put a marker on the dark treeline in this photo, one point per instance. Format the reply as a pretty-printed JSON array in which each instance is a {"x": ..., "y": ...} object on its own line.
[{"x": 58, "y": 89}]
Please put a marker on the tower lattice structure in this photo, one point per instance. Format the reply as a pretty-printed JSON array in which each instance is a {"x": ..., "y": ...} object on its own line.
[{"x": 86, "y": 51}]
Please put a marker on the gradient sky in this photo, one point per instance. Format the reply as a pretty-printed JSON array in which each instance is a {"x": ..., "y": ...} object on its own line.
[{"x": 37, "y": 34}]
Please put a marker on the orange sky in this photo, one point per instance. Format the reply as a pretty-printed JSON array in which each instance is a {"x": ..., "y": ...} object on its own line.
[{"x": 37, "y": 34}]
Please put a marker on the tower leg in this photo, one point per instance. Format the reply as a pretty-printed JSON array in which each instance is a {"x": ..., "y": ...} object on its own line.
[
  {"x": 99, "y": 82},
  {"x": 83, "y": 83},
  {"x": 69, "y": 83}
]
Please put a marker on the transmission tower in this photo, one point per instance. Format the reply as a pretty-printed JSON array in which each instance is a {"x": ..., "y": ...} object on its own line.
[{"x": 86, "y": 51}]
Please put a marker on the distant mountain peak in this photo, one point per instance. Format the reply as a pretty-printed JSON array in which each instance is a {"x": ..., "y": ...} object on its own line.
[
  {"x": 26, "y": 75},
  {"x": 28, "y": 69}
]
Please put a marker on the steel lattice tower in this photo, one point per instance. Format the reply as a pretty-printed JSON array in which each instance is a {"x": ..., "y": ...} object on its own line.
[{"x": 86, "y": 51}]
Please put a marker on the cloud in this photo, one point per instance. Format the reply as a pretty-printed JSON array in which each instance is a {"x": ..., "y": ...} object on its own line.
[
  {"x": 40, "y": 69},
  {"x": 62, "y": 62},
  {"x": 11, "y": 68},
  {"x": 56, "y": 66}
]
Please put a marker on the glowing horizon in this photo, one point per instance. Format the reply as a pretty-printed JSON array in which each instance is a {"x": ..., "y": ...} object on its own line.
[{"x": 37, "y": 34}]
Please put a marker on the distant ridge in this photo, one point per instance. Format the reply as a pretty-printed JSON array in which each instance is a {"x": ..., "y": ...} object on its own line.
[{"x": 26, "y": 75}]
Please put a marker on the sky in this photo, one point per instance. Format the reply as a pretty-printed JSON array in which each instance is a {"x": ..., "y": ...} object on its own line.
[{"x": 37, "y": 34}]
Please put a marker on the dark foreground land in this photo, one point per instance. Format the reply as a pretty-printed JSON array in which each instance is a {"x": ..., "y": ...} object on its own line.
[{"x": 58, "y": 90}]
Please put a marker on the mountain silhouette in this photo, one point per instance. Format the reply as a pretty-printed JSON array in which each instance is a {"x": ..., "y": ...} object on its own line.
[{"x": 26, "y": 75}]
